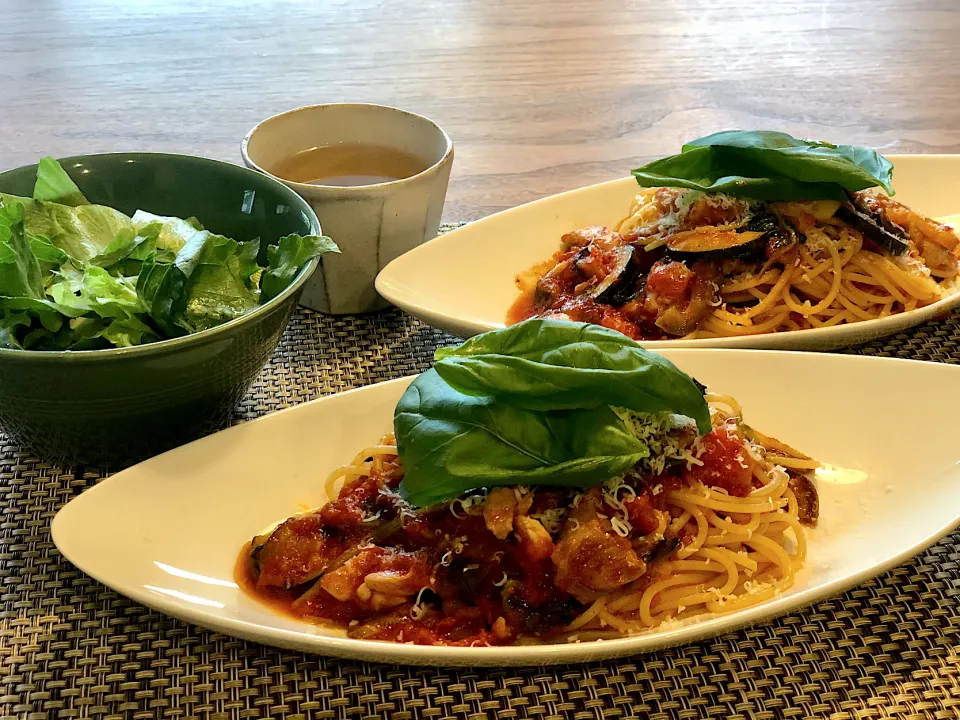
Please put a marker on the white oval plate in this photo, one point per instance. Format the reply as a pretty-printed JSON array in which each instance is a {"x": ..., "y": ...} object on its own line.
[
  {"x": 464, "y": 281},
  {"x": 167, "y": 532}
]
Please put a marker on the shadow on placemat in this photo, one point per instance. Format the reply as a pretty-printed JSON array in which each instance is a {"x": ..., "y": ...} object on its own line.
[{"x": 71, "y": 648}]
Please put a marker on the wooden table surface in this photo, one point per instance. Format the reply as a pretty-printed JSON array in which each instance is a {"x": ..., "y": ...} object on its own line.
[{"x": 539, "y": 96}]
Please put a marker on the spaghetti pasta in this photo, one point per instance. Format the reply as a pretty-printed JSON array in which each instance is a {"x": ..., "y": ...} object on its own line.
[
  {"x": 721, "y": 528},
  {"x": 813, "y": 269}
]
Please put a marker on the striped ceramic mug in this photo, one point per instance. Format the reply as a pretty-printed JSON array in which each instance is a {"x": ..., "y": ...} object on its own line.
[{"x": 372, "y": 224}]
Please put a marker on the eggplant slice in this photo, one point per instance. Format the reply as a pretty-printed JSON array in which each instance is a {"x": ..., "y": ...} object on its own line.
[
  {"x": 764, "y": 233},
  {"x": 711, "y": 243},
  {"x": 622, "y": 283},
  {"x": 808, "y": 501},
  {"x": 714, "y": 243},
  {"x": 874, "y": 226}
]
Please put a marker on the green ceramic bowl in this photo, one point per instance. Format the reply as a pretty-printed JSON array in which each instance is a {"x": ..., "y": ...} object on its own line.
[{"x": 110, "y": 408}]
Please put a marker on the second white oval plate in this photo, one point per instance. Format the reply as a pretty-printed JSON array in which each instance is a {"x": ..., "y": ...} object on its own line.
[
  {"x": 168, "y": 532},
  {"x": 464, "y": 281}
]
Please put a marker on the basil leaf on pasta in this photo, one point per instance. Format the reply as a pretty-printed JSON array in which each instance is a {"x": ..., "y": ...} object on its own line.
[
  {"x": 538, "y": 403},
  {"x": 769, "y": 165}
]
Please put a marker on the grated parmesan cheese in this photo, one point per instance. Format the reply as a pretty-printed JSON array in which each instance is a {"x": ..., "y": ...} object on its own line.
[
  {"x": 620, "y": 526},
  {"x": 551, "y": 519},
  {"x": 668, "y": 436},
  {"x": 406, "y": 510},
  {"x": 520, "y": 491},
  {"x": 469, "y": 505},
  {"x": 417, "y": 611},
  {"x": 372, "y": 518}
]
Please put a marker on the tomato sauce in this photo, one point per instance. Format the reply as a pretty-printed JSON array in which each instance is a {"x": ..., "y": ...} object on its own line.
[
  {"x": 523, "y": 308},
  {"x": 726, "y": 463},
  {"x": 459, "y": 583}
]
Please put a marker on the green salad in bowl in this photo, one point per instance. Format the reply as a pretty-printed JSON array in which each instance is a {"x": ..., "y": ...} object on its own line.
[
  {"x": 79, "y": 276},
  {"x": 140, "y": 296}
]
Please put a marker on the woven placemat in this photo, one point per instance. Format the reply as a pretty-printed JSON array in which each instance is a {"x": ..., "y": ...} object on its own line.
[{"x": 70, "y": 648}]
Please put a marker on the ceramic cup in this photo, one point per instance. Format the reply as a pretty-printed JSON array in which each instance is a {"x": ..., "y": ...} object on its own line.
[{"x": 372, "y": 224}]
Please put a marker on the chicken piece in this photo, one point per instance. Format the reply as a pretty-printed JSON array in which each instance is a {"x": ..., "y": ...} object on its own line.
[
  {"x": 402, "y": 583},
  {"x": 378, "y": 572},
  {"x": 936, "y": 242},
  {"x": 535, "y": 542},
  {"x": 499, "y": 510},
  {"x": 343, "y": 582},
  {"x": 295, "y": 553},
  {"x": 589, "y": 556},
  {"x": 524, "y": 501},
  {"x": 942, "y": 262},
  {"x": 593, "y": 557}
]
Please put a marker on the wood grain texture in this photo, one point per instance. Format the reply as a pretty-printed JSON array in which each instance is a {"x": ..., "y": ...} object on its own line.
[{"x": 539, "y": 96}]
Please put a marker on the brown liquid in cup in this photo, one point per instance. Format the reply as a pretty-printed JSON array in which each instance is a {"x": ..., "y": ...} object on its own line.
[{"x": 348, "y": 165}]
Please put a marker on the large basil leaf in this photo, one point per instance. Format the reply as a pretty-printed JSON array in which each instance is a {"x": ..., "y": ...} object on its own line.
[
  {"x": 769, "y": 165},
  {"x": 558, "y": 365},
  {"x": 451, "y": 442},
  {"x": 533, "y": 404}
]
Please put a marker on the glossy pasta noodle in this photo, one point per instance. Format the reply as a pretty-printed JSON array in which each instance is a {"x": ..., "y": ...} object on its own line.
[
  {"x": 728, "y": 564},
  {"x": 676, "y": 547},
  {"x": 818, "y": 264}
]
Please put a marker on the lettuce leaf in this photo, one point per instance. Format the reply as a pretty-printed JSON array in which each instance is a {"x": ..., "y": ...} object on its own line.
[
  {"x": 134, "y": 243},
  {"x": 75, "y": 275},
  {"x": 172, "y": 233},
  {"x": 20, "y": 274},
  {"x": 49, "y": 314},
  {"x": 54, "y": 185},
  {"x": 81, "y": 232},
  {"x": 221, "y": 286},
  {"x": 287, "y": 257},
  {"x": 48, "y": 255},
  {"x": 10, "y": 325},
  {"x": 99, "y": 293},
  {"x": 162, "y": 285},
  {"x": 126, "y": 332},
  {"x": 22, "y": 294}
]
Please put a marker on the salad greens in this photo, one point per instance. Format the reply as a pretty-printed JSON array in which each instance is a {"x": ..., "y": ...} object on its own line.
[
  {"x": 78, "y": 276},
  {"x": 543, "y": 402},
  {"x": 768, "y": 165}
]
